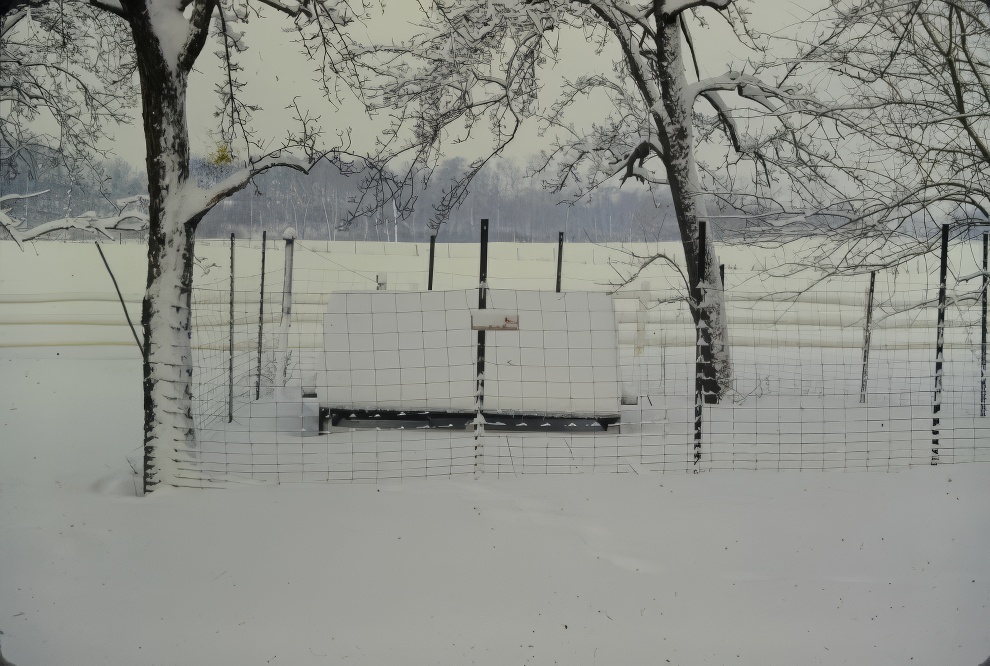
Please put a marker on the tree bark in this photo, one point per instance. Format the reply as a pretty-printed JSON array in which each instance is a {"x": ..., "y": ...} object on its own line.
[
  {"x": 676, "y": 134},
  {"x": 672, "y": 114},
  {"x": 169, "y": 432}
]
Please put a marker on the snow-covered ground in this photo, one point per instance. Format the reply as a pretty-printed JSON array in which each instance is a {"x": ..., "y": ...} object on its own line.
[
  {"x": 716, "y": 568},
  {"x": 748, "y": 567}
]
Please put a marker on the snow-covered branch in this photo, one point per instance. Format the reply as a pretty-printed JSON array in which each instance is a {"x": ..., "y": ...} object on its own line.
[
  {"x": 89, "y": 221},
  {"x": 753, "y": 88},
  {"x": 197, "y": 200},
  {"x": 112, "y": 6},
  {"x": 674, "y": 7}
]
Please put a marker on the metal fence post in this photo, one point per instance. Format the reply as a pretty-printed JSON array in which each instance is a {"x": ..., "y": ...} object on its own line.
[
  {"x": 940, "y": 345},
  {"x": 983, "y": 332},
  {"x": 866, "y": 336},
  {"x": 479, "y": 419},
  {"x": 289, "y": 235},
  {"x": 433, "y": 248},
  {"x": 261, "y": 315},
  {"x": 230, "y": 345}
]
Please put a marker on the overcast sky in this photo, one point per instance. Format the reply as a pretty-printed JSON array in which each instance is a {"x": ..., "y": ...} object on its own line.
[{"x": 278, "y": 73}]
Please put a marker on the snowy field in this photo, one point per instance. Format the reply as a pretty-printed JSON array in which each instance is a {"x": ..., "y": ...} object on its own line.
[
  {"x": 760, "y": 567},
  {"x": 718, "y": 568}
]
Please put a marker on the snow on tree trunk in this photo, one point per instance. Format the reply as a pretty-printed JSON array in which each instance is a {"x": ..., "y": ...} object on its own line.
[
  {"x": 676, "y": 134},
  {"x": 169, "y": 431}
]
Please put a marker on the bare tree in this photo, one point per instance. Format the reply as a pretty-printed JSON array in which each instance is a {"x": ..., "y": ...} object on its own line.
[
  {"x": 918, "y": 80},
  {"x": 66, "y": 79},
  {"x": 166, "y": 40},
  {"x": 484, "y": 60}
]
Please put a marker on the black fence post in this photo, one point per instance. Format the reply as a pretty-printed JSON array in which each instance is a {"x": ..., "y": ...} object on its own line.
[
  {"x": 699, "y": 365},
  {"x": 479, "y": 420},
  {"x": 230, "y": 346},
  {"x": 940, "y": 345},
  {"x": 983, "y": 332},
  {"x": 560, "y": 258},
  {"x": 866, "y": 336},
  {"x": 433, "y": 248},
  {"x": 261, "y": 315},
  {"x": 483, "y": 268}
]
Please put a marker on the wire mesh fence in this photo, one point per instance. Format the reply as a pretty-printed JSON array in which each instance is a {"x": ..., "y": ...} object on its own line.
[{"x": 799, "y": 341}]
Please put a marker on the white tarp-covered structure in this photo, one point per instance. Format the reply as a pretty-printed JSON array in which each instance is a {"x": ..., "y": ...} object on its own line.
[{"x": 417, "y": 350}]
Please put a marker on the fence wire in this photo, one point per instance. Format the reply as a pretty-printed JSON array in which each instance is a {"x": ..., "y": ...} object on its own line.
[{"x": 796, "y": 339}]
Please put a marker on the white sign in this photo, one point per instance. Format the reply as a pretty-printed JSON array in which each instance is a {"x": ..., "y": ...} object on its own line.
[{"x": 494, "y": 320}]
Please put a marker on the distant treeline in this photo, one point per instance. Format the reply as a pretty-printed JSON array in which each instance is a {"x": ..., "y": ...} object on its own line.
[
  {"x": 316, "y": 206},
  {"x": 517, "y": 207},
  {"x": 61, "y": 195}
]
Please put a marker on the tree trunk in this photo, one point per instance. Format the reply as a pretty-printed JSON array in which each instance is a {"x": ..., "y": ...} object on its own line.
[
  {"x": 676, "y": 134},
  {"x": 169, "y": 432}
]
